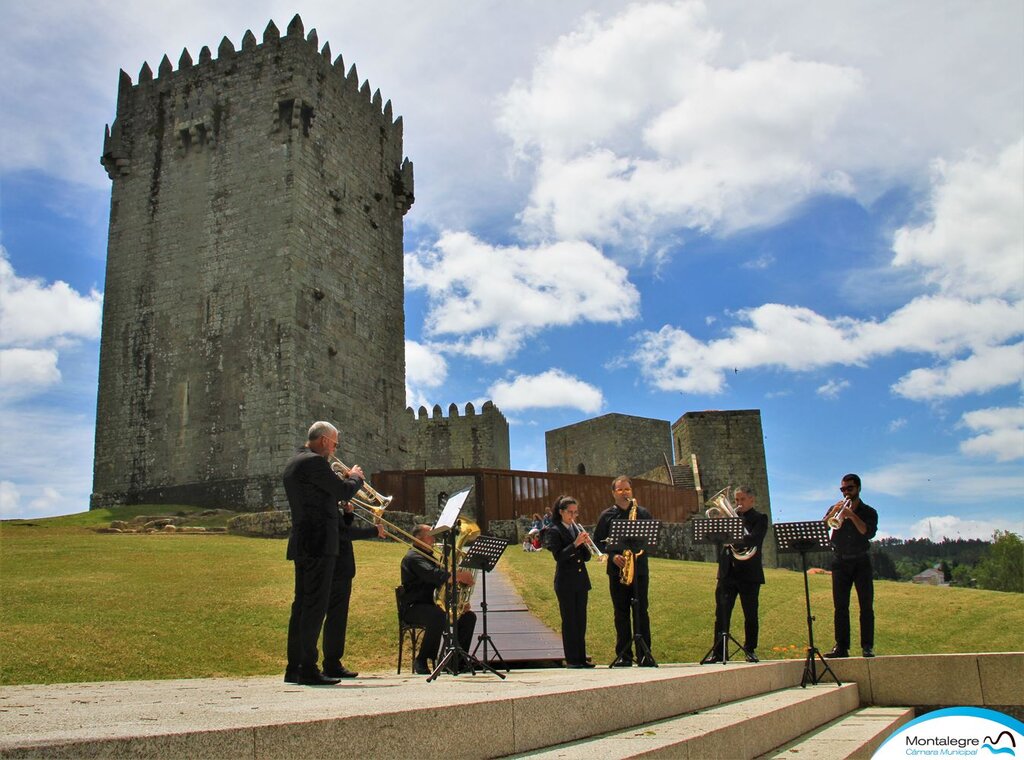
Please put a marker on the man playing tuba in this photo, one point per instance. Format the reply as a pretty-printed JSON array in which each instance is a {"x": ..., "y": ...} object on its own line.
[
  {"x": 422, "y": 576},
  {"x": 740, "y": 577}
]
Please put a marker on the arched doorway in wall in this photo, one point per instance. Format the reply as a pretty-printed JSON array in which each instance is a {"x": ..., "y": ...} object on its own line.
[{"x": 581, "y": 469}]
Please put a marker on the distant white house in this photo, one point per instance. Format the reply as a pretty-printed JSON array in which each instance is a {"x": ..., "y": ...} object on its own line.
[{"x": 932, "y": 577}]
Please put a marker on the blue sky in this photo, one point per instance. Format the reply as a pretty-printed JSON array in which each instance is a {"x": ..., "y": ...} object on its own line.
[{"x": 815, "y": 210}]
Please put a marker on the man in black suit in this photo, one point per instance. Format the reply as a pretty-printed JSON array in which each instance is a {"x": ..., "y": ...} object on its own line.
[
  {"x": 565, "y": 539},
  {"x": 741, "y": 578},
  {"x": 313, "y": 490},
  {"x": 336, "y": 622},
  {"x": 422, "y": 576},
  {"x": 623, "y": 595}
]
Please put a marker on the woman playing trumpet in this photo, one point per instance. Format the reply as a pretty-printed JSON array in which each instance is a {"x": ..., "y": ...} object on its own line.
[{"x": 568, "y": 542}]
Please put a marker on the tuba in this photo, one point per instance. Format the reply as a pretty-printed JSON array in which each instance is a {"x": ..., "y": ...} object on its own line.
[
  {"x": 720, "y": 506},
  {"x": 467, "y": 535}
]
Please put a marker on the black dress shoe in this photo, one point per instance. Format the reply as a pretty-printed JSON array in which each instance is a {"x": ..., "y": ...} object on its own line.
[
  {"x": 339, "y": 672},
  {"x": 576, "y": 665},
  {"x": 315, "y": 678},
  {"x": 647, "y": 662},
  {"x": 752, "y": 656},
  {"x": 837, "y": 653},
  {"x": 869, "y": 652},
  {"x": 711, "y": 659},
  {"x": 291, "y": 675},
  {"x": 622, "y": 664}
]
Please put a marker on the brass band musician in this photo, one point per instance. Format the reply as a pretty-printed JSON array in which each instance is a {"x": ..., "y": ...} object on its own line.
[
  {"x": 623, "y": 594},
  {"x": 853, "y": 525},
  {"x": 422, "y": 576},
  {"x": 740, "y": 577}
]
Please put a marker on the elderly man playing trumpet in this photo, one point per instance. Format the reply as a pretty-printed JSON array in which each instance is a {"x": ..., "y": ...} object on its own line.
[{"x": 853, "y": 525}]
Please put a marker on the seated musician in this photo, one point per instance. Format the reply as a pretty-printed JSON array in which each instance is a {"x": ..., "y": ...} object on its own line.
[{"x": 421, "y": 578}]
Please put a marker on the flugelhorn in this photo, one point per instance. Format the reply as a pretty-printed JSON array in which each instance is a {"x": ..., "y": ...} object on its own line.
[{"x": 833, "y": 518}]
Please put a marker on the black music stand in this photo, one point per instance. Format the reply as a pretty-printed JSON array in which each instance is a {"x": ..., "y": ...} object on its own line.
[
  {"x": 483, "y": 554},
  {"x": 806, "y": 537},
  {"x": 636, "y": 536},
  {"x": 719, "y": 531}
]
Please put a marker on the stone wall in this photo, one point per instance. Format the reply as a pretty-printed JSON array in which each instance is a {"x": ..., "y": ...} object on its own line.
[
  {"x": 610, "y": 445},
  {"x": 255, "y": 234},
  {"x": 473, "y": 439}
]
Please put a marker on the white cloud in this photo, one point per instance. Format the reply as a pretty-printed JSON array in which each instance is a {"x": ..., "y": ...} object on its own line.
[
  {"x": 833, "y": 388},
  {"x": 938, "y": 527},
  {"x": 720, "y": 148},
  {"x": 25, "y": 372},
  {"x": 989, "y": 367},
  {"x": 897, "y": 424},
  {"x": 424, "y": 366},
  {"x": 547, "y": 390},
  {"x": 973, "y": 245},
  {"x": 1000, "y": 433},
  {"x": 493, "y": 298},
  {"x": 799, "y": 339},
  {"x": 34, "y": 312}
]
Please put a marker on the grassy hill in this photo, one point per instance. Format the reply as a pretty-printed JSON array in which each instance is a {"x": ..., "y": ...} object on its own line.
[{"x": 76, "y": 605}]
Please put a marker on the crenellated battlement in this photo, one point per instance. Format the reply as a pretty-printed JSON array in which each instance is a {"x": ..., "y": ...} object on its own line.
[
  {"x": 472, "y": 439},
  {"x": 197, "y": 111},
  {"x": 488, "y": 408}
]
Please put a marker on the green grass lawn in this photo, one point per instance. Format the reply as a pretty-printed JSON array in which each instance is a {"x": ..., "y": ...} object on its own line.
[{"x": 76, "y": 605}]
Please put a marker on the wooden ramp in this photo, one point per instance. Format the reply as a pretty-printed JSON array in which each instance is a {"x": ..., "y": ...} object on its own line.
[{"x": 518, "y": 636}]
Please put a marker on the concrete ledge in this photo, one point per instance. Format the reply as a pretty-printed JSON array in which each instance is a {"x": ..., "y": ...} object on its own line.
[{"x": 936, "y": 680}]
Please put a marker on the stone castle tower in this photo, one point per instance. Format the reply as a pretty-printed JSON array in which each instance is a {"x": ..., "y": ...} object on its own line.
[
  {"x": 610, "y": 445},
  {"x": 254, "y": 273}
]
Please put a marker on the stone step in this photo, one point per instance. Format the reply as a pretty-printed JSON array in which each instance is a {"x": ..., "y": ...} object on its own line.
[
  {"x": 745, "y": 728},
  {"x": 856, "y": 735}
]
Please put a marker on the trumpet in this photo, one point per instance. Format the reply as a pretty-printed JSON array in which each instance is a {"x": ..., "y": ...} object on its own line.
[
  {"x": 833, "y": 518},
  {"x": 593, "y": 548}
]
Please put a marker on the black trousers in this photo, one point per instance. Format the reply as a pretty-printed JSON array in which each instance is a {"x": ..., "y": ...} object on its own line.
[
  {"x": 725, "y": 600},
  {"x": 337, "y": 617},
  {"x": 572, "y": 605},
  {"x": 857, "y": 573},
  {"x": 622, "y": 597},
  {"x": 431, "y": 617},
  {"x": 309, "y": 607}
]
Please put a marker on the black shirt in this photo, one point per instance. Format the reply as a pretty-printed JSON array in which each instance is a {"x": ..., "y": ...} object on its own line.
[
  {"x": 850, "y": 541},
  {"x": 604, "y": 528}
]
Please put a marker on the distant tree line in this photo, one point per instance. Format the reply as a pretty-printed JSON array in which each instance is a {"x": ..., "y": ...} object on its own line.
[{"x": 997, "y": 564}]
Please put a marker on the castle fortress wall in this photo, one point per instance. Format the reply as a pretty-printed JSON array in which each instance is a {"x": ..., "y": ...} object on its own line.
[
  {"x": 254, "y": 273},
  {"x": 613, "y": 444},
  {"x": 470, "y": 440}
]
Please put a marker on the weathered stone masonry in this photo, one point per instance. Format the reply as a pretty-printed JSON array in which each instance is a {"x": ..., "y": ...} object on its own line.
[{"x": 254, "y": 273}]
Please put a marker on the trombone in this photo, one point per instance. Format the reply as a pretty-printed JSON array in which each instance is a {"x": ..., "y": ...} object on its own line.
[{"x": 369, "y": 505}]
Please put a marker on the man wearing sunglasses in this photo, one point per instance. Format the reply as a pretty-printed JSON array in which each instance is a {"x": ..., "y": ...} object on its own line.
[{"x": 851, "y": 567}]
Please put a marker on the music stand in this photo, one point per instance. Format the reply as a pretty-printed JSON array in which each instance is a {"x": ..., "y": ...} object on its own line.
[
  {"x": 805, "y": 537},
  {"x": 636, "y": 536},
  {"x": 719, "y": 531},
  {"x": 483, "y": 554}
]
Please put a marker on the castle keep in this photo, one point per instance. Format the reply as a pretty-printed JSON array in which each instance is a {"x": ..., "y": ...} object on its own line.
[{"x": 254, "y": 273}]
